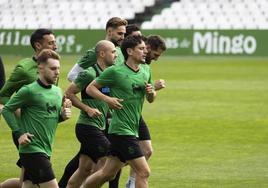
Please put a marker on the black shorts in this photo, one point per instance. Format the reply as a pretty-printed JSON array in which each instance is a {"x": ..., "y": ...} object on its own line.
[
  {"x": 93, "y": 141},
  {"x": 125, "y": 147},
  {"x": 144, "y": 133},
  {"x": 37, "y": 166}
]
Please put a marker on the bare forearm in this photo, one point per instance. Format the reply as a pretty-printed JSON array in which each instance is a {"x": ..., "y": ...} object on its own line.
[{"x": 77, "y": 102}]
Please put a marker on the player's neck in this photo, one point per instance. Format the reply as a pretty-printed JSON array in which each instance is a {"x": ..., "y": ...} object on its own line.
[
  {"x": 101, "y": 64},
  {"x": 134, "y": 65},
  {"x": 44, "y": 81}
]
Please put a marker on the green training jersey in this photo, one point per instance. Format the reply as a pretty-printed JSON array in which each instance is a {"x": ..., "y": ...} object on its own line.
[
  {"x": 40, "y": 113},
  {"x": 89, "y": 58},
  {"x": 82, "y": 80},
  {"x": 126, "y": 84},
  {"x": 24, "y": 73}
]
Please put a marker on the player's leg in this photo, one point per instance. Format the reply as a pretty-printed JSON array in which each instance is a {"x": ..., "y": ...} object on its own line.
[
  {"x": 146, "y": 147},
  {"x": 108, "y": 172},
  {"x": 84, "y": 169},
  {"x": 142, "y": 170},
  {"x": 94, "y": 147},
  {"x": 115, "y": 182},
  {"x": 28, "y": 184},
  {"x": 69, "y": 171},
  {"x": 50, "y": 184},
  {"x": 38, "y": 170},
  {"x": 11, "y": 183},
  {"x": 14, "y": 182}
]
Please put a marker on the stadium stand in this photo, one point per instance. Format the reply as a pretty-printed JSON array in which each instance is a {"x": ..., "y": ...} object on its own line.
[
  {"x": 66, "y": 14},
  {"x": 212, "y": 14},
  {"x": 150, "y": 14}
]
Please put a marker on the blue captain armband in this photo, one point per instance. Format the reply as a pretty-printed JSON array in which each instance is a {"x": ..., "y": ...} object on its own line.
[{"x": 105, "y": 90}]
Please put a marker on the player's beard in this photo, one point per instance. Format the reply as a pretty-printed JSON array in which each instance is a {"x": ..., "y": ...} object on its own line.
[
  {"x": 116, "y": 42},
  {"x": 51, "y": 81}
]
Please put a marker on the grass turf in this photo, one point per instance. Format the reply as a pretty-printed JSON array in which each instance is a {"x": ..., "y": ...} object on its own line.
[{"x": 208, "y": 127}]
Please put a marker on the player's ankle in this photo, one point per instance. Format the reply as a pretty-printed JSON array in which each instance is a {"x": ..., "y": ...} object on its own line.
[{"x": 130, "y": 182}]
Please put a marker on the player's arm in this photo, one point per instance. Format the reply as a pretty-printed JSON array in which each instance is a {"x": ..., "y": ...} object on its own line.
[
  {"x": 20, "y": 99},
  {"x": 87, "y": 60},
  {"x": 74, "y": 72},
  {"x": 16, "y": 80},
  {"x": 159, "y": 84},
  {"x": 71, "y": 92},
  {"x": 65, "y": 109},
  {"x": 93, "y": 90},
  {"x": 150, "y": 92}
]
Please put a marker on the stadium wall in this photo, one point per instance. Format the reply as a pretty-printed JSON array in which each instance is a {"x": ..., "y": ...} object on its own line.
[{"x": 179, "y": 42}]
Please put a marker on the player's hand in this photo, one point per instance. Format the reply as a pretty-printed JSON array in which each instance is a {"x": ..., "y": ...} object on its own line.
[
  {"x": 26, "y": 138},
  {"x": 159, "y": 84},
  {"x": 149, "y": 88},
  {"x": 66, "y": 108},
  {"x": 66, "y": 113},
  {"x": 67, "y": 103},
  {"x": 93, "y": 112},
  {"x": 114, "y": 103}
]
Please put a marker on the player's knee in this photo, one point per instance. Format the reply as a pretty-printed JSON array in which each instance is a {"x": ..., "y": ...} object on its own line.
[
  {"x": 108, "y": 176},
  {"x": 87, "y": 169},
  {"x": 145, "y": 173},
  {"x": 148, "y": 152}
]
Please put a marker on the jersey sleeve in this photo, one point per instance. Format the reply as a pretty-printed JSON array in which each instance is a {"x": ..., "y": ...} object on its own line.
[
  {"x": 17, "y": 79},
  {"x": 84, "y": 78},
  {"x": 74, "y": 72},
  {"x": 88, "y": 59},
  {"x": 107, "y": 77},
  {"x": 19, "y": 100}
]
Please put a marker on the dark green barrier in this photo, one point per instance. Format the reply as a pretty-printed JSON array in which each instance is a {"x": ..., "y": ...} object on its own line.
[{"x": 179, "y": 42}]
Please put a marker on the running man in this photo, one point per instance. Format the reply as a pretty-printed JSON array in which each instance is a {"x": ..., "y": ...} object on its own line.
[
  {"x": 92, "y": 120},
  {"x": 25, "y": 73},
  {"x": 42, "y": 107},
  {"x": 115, "y": 31},
  {"x": 129, "y": 83}
]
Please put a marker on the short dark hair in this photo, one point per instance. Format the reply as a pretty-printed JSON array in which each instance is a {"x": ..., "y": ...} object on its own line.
[
  {"x": 130, "y": 41},
  {"x": 131, "y": 28},
  {"x": 115, "y": 22},
  {"x": 45, "y": 54},
  {"x": 156, "y": 42},
  {"x": 38, "y": 34}
]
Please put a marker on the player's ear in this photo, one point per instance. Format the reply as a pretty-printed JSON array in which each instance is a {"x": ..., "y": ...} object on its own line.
[
  {"x": 102, "y": 53},
  {"x": 37, "y": 46},
  {"x": 129, "y": 51},
  {"x": 109, "y": 31},
  {"x": 41, "y": 67}
]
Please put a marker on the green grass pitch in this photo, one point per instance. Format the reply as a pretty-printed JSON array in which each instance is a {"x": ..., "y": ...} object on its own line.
[{"x": 209, "y": 127}]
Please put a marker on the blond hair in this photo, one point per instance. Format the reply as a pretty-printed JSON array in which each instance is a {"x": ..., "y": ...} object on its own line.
[{"x": 115, "y": 22}]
